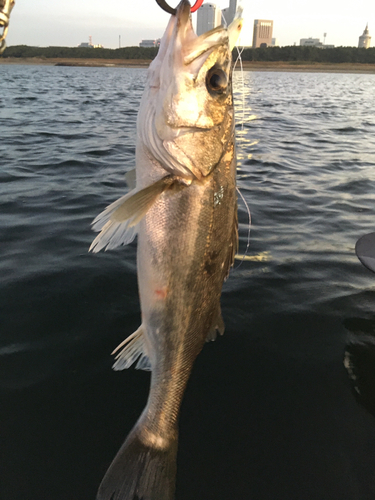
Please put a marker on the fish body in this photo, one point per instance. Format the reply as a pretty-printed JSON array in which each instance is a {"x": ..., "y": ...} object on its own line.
[{"x": 184, "y": 210}]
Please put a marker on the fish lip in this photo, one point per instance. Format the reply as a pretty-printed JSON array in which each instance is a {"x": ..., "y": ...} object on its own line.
[
  {"x": 4, "y": 20},
  {"x": 5, "y": 11},
  {"x": 183, "y": 11},
  {"x": 3, "y": 37},
  {"x": 190, "y": 130}
]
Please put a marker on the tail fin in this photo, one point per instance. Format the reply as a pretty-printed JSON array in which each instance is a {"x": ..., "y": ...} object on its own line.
[{"x": 140, "y": 472}]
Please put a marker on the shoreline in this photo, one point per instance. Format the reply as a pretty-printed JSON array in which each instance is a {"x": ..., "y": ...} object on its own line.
[
  {"x": 81, "y": 62},
  {"x": 292, "y": 66}
]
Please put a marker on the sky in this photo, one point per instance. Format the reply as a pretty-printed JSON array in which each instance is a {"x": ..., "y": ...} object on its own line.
[{"x": 67, "y": 23}]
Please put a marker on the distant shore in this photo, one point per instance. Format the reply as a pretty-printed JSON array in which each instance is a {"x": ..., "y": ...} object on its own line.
[
  {"x": 63, "y": 61},
  {"x": 247, "y": 65}
]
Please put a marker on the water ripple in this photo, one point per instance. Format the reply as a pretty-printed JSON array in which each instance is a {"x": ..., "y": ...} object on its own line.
[
  {"x": 306, "y": 168},
  {"x": 306, "y": 163}
]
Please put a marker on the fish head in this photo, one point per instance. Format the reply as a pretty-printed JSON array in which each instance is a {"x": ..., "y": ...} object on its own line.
[{"x": 190, "y": 120}]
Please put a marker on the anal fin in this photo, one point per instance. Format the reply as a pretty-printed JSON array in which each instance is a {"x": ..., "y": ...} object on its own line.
[
  {"x": 216, "y": 327},
  {"x": 134, "y": 349}
]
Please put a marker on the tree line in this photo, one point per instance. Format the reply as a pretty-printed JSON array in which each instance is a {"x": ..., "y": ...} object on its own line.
[
  {"x": 299, "y": 53},
  {"x": 293, "y": 53},
  {"x": 81, "y": 52}
]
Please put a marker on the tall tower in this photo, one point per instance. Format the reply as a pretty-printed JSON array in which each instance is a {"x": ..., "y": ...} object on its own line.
[
  {"x": 262, "y": 34},
  {"x": 365, "y": 39},
  {"x": 208, "y": 17},
  {"x": 230, "y": 12}
]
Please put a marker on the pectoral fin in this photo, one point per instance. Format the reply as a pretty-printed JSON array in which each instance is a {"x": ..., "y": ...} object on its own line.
[
  {"x": 134, "y": 208},
  {"x": 117, "y": 222}
]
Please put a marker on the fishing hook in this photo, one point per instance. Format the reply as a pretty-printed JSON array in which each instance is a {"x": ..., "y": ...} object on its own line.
[{"x": 163, "y": 4}]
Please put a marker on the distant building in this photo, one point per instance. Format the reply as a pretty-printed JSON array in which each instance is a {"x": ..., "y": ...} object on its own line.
[
  {"x": 365, "y": 39},
  {"x": 90, "y": 45},
  {"x": 314, "y": 42},
  {"x": 208, "y": 17},
  {"x": 274, "y": 42},
  {"x": 310, "y": 42},
  {"x": 85, "y": 45},
  {"x": 262, "y": 34},
  {"x": 229, "y": 12},
  {"x": 150, "y": 43}
]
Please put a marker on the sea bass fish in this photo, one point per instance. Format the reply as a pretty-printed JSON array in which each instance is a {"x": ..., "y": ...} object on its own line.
[{"x": 184, "y": 210}]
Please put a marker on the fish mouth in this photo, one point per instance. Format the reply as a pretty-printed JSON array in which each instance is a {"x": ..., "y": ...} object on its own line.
[
  {"x": 6, "y": 7},
  {"x": 184, "y": 28},
  {"x": 188, "y": 45},
  {"x": 5, "y": 10},
  {"x": 3, "y": 26},
  {"x": 3, "y": 34},
  {"x": 193, "y": 46},
  {"x": 183, "y": 11},
  {"x": 180, "y": 34}
]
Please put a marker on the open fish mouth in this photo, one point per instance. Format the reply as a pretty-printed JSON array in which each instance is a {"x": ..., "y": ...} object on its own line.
[{"x": 6, "y": 7}]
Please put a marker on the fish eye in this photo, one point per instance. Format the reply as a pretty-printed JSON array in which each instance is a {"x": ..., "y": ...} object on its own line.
[{"x": 216, "y": 80}]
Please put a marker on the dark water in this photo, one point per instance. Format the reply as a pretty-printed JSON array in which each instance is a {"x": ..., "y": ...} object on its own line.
[{"x": 271, "y": 411}]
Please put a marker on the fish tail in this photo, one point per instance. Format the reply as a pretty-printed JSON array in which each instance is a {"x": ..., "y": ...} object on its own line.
[{"x": 141, "y": 471}]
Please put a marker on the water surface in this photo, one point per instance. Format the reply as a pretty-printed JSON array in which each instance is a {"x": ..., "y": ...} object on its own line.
[{"x": 271, "y": 412}]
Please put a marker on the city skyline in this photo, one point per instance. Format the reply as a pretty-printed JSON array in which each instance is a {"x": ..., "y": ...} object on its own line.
[{"x": 39, "y": 23}]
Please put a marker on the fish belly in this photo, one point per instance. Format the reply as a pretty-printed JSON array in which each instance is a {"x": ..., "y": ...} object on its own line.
[{"x": 185, "y": 246}]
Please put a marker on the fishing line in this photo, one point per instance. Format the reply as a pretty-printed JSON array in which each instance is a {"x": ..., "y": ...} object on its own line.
[
  {"x": 248, "y": 231},
  {"x": 225, "y": 24},
  {"x": 239, "y": 58}
]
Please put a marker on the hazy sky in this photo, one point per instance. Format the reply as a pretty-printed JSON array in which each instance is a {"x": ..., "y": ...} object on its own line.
[{"x": 70, "y": 22}]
